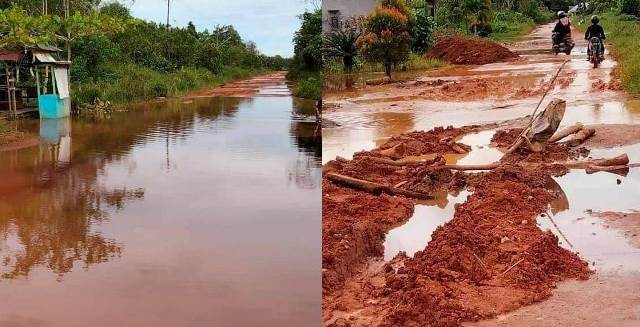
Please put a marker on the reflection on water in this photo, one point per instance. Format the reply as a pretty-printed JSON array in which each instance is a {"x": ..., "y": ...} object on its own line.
[
  {"x": 198, "y": 211},
  {"x": 414, "y": 235},
  {"x": 605, "y": 248}
]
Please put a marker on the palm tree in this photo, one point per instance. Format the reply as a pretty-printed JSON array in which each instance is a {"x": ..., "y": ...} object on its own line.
[{"x": 343, "y": 44}]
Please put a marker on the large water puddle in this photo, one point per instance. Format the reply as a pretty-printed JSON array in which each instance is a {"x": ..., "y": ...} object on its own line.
[
  {"x": 414, "y": 235},
  {"x": 203, "y": 212},
  {"x": 595, "y": 239}
]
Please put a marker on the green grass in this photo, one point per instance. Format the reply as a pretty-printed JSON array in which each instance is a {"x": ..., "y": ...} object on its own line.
[
  {"x": 622, "y": 37},
  {"x": 309, "y": 88},
  {"x": 415, "y": 62},
  {"x": 132, "y": 83},
  {"x": 510, "y": 26}
]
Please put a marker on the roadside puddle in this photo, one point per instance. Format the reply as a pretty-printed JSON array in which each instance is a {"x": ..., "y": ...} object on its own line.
[
  {"x": 414, "y": 235},
  {"x": 574, "y": 218},
  {"x": 481, "y": 150}
]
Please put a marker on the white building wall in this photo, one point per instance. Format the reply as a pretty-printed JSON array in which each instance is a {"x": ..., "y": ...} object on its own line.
[{"x": 344, "y": 9}]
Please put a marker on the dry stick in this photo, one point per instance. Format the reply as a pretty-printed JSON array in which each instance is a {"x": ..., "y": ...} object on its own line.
[
  {"x": 513, "y": 265},
  {"x": 566, "y": 132},
  {"x": 481, "y": 262},
  {"x": 559, "y": 231},
  {"x": 374, "y": 188},
  {"x": 518, "y": 141}
]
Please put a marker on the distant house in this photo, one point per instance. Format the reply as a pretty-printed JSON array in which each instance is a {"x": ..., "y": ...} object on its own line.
[{"x": 335, "y": 12}]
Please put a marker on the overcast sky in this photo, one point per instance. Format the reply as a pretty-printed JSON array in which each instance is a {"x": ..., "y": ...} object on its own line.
[{"x": 269, "y": 23}]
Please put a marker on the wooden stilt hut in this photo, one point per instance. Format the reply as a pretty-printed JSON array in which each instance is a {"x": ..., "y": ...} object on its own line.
[{"x": 33, "y": 80}]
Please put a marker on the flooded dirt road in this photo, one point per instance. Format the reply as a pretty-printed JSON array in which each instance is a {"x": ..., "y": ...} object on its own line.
[
  {"x": 593, "y": 215},
  {"x": 191, "y": 212}
]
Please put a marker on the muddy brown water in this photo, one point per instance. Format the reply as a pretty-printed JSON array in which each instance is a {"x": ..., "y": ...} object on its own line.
[
  {"x": 368, "y": 116},
  {"x": 203, "y": 212}
]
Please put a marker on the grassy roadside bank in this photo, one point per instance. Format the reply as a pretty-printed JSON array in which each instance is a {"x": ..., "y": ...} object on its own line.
[
  {"x": 512, "y": 25},
  {"x": 131, "y": 83},
  {"x": 623, "y": 39},
  {"x": 415, "y": 62}
]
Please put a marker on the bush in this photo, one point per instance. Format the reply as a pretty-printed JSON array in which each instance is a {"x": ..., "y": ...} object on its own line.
[
  {"x": 630, "y": 7},
  {"x": 309, "y": 88},
  {"x": 386, "y": 38},
  {"x": 423, "y": 31}
]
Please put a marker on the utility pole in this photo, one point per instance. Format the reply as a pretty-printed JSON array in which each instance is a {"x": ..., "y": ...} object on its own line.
[{"x": 168, "y": 7}]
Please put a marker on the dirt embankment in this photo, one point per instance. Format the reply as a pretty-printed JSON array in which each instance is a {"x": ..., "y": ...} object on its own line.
[
  {"x": 490, "y": 258},
  {"x": 354, "y": 223},
  {"x": 470, "y": 51}
]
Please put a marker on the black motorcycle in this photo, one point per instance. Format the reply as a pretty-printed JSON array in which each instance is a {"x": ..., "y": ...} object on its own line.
[
  {"x": 564, "y": 45},
  {"x": 596, "y": 51}
]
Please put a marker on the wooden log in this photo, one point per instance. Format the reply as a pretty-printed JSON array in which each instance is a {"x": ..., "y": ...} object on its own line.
[
  {"x": 468, "y": 167},
  {"x": 566, "y": 132},
  {"x": 399, "y": 163},
  {"x": 594, "y": 169},
  {"x": 374, "y": 188},
  {"x": 621, "y": 160},
  {"x": 581, "y": 136}
]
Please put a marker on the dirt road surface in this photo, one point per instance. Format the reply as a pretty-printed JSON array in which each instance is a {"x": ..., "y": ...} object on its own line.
[{"x": 595, "y": 215}]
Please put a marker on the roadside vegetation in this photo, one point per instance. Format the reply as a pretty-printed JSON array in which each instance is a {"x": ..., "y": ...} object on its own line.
[
  {"x": 621, "y": 21},
  {"x": 119, "y": 58},
  {"x": 396, "y": 35},
  {"x": 307, "y": 62}
]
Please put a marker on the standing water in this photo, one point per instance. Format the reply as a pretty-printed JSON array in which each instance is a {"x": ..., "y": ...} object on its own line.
[{"x": 201, "y": 212}]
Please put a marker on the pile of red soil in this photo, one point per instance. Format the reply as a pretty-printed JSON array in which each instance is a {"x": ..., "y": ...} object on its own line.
[
  {"x": 470, "y": 51},
  {"x": 480, "y": 88},
  {"x": 439, "y": 140},
  {"x": 489, "y": 259}
]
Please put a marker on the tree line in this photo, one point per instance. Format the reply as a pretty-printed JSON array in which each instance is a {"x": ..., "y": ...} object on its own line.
[{"x": 110, "y": 49}]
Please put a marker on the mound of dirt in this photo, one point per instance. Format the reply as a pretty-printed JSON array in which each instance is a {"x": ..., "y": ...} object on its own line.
[
  {"x": 489, "y": 259},
  {"x": 470, "y": 51}
]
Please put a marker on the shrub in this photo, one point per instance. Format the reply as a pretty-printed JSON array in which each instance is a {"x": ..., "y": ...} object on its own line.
[
  {"x": 630, "y": 7},
  {"x": 423, "y": 31},
  {"x": 310, "y": 88},
  {"x": 386, "y": 38}
]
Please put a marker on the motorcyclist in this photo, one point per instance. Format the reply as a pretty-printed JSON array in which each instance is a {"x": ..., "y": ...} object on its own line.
[
  {"x": 595, "y": 30},
  {"x": 562, "y": 28}
]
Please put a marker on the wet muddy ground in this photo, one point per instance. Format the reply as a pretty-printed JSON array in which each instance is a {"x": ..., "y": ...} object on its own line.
[
  {"x": 200, "y": 212},
  {"x": 593, "y": 216}
]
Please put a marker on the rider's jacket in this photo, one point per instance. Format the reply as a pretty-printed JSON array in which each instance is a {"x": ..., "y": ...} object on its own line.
[
  {"x": 562, "y": 30},
  {"x": 594, "y": 30}
]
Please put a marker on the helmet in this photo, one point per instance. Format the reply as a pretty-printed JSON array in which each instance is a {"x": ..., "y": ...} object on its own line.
[
  {"x": 595, "y": 19},
  {"x": 561, "y": 14}
]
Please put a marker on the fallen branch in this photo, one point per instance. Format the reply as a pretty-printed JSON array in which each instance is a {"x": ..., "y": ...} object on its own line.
[
  {"x": 594, "y": 165},
  {"x": 581, "y": 136},
  {"x": 595, "y": 169},
  {"x": 402, "y": 162},
  {"x": 621, "y": 160},
  {"x": 374, "y": 188},
  {"x": 515, "y": 264},
  {"x": 566, "y": 132}
]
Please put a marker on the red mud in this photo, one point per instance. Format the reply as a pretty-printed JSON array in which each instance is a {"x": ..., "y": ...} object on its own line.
[
  {"x": 490, "y": 258},
  {"x": 470, "y": 51},
  {"x": 242, "y": 88}
]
